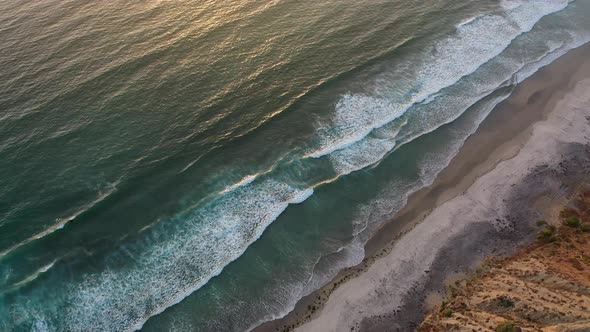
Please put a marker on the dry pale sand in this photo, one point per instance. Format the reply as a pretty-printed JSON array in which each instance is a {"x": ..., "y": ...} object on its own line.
[{"x": 532, "y": 146}]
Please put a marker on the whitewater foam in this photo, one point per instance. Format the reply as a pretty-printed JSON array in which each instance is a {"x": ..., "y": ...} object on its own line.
[
  {"x": 33, "y": 276},
  {"x": 444, "y": 64},
  {"x": 181, "y": 255}
]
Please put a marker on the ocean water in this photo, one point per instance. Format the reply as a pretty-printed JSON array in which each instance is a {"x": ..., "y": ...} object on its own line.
[{"x": 202, "y": 165}]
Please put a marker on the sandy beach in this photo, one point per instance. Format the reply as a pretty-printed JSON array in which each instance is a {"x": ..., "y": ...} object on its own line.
[{"x": 530, "y": 151}]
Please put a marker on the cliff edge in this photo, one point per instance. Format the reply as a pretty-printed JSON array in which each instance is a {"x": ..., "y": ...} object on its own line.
[{"x": 544, "y": 287}]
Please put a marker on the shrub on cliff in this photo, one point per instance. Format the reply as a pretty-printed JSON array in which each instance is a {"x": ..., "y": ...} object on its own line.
[
  {"x": 541, "y": 223},
  {"x": 573, "y": 222},
  {"x": 507, "y": 327},
  {"x": 547, "y": 234},
  {"x": 447, "y": 312},
  {"x": 505, "y": 302},
  {"x": 566, "y": 213}
]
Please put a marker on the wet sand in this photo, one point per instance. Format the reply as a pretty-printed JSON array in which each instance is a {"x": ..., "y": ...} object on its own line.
[{"x": 532, "y": 145}]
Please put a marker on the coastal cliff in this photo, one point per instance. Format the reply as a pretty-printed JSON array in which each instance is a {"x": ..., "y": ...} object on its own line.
[{"x": 543, "y": 287}]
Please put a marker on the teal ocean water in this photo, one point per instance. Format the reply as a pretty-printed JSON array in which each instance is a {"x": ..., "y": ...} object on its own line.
[{"x": 202, "y": 165}]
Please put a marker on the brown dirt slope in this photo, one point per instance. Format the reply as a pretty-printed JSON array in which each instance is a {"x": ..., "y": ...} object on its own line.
[{"x": 545, "y": 287}]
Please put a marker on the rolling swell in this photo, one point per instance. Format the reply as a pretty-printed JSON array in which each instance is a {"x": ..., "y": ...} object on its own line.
[
  {"x": 174, "y": 258},
  {"x": 352, "y": 163},
  {"x": 449, "y": 61},
  {"x": 62, "y": 222},
  {"x": 514, "y": 69},
  {"x": 383, "y": 110}
]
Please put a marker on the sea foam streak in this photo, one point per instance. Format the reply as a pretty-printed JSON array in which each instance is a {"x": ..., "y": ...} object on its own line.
[
  {"x": 441, "y": 110},
  {"x": 473, "y": 44},
  {"x": 368, "y": 128},
  {"x": 60, "y": 223},
  {"x": 33, "y": 276},
  {"x": 181, "y": 256}
]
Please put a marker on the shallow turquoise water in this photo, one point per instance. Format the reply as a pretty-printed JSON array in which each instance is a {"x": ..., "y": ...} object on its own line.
[{"x": 184, "y": 165}]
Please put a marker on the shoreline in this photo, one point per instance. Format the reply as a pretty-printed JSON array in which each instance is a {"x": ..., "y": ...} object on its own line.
[{"x": 500, "y": 137}]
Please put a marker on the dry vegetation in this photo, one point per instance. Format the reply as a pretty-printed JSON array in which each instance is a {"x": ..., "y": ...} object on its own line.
[{"x": 544, "y": 287}]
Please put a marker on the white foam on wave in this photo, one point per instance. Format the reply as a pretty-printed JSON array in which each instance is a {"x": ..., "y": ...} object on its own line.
[
  {"x": 62, "y": 222},
  {"x": 181, "y": 256},
  {"x": 558, "y": 49},
  {"x": 431, "y": 164},
  {"x": 466, "y": 21},
  {"x": 511, "y": 4},
  {"x": 33, "y": 276},
  {"x": 244, "y": 181},
  {"x": 442, "y": 65},
  {"x": 353, "y": 127},
  {"x": 442, "y": 108},
  {"x": 365, "y": 152},
  {"x": 449, "y": 107}
]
